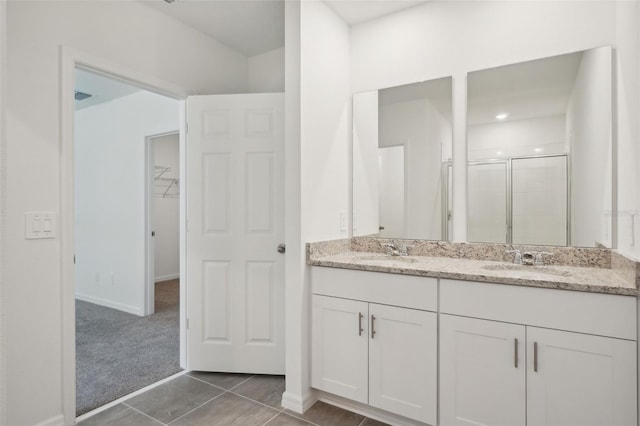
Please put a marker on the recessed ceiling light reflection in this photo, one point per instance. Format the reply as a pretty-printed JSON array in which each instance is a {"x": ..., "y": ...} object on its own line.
[{"x": 502, "y": 116}]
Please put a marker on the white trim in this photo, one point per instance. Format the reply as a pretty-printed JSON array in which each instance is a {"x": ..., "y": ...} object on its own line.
[
  {"x": 128, "y": 396},
  {"x": 70, "y": 59},
  {"x": 367, "y": 410},
  {"x": 3, "y": 203},
  {"x": 167, "y": 277},
  {"x": 149, "y": 244},
  {"x": 297, "y": 403},
  {"x": 183, "y": 232},
  {"x": 53, "y": 421},
  {"x": 135, "y": 310}
]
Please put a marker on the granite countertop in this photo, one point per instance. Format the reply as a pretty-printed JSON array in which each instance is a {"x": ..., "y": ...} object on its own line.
[{"x": 576, "y": 278}]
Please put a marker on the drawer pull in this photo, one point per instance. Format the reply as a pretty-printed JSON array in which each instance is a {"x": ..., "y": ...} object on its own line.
[
  {"x": 373, "y": 331},
  {"x": 515, "y": 353},
  {"x": 360, "y": 329},
  {"x": 535, "y": 357}
]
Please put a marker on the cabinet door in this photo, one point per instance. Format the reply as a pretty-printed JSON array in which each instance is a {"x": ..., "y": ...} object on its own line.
[
  {"x": 403, "y": 361},
  {"x": 580, "y": 379},
  {"x": 339, "y": 347},
  {"x": 482, "y": 372}
]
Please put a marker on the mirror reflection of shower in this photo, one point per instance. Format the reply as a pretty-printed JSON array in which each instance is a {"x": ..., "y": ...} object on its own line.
[
  {"x": 539, "y": 151},
  {"x": 519, "y": 200}
]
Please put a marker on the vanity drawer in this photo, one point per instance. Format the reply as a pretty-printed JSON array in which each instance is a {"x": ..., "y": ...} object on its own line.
[
  {"x": 593, "y": 313},
  {"x": 377, "y": 287}
]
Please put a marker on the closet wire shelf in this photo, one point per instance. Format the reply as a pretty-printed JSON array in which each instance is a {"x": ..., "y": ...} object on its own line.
[{"x": 163, "y": 186}]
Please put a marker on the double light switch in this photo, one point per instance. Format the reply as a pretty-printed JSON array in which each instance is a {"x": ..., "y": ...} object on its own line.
[{"x": 40, "y": 225}]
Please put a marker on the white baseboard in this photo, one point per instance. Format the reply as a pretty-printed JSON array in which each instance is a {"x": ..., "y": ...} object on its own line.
[
  {"x": 109, "y": 304},
  {"x": 167, "y": 277},
  {"x": 367, "y": 410},
  {"x": 297, "y": 403},
  {"x": 53, "y": 421}
]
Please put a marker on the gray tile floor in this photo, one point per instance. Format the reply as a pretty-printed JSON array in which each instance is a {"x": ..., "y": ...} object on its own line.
[{"x": 217, "y": 399}]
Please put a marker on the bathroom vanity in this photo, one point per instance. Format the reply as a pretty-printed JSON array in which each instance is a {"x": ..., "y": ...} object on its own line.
[{"x": 454, "y": 341}]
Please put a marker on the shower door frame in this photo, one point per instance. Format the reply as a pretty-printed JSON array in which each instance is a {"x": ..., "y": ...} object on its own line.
[{"x": 508, "y": 161}]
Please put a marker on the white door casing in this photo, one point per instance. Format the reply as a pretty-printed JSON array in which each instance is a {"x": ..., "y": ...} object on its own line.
[{"x": 235, "y": 221}]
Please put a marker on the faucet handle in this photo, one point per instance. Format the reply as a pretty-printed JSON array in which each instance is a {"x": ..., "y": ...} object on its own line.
[
  {"x": 389, "y": 248},
  {"x": 539, "y": 259},
  {"x": 517, "y": 258},
  {"x": 404, "y": 249}
]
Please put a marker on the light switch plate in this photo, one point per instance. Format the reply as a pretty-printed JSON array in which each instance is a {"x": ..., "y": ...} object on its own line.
[{"x": 39, "y": 225}]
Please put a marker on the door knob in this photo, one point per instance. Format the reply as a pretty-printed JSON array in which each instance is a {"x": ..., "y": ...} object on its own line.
[{"x": 281, "y": 248}]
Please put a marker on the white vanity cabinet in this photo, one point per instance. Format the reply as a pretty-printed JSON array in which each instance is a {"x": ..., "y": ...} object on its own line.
[
  {"x": 482, "y": 372},
  {"x": 515, "y": 355},
  {"x": 380, "y": 348}
]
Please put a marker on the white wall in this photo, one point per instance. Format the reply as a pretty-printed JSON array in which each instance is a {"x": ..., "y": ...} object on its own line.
[
  {"x": 627, "y": 105},
  {"x": 110, "y": 196},
  {"x": 166, "y": 211},
  {"x": 589, "y": 130},
  {"x": 454, "y": 38},
  {"x": 266, "y": 72},
  {"x": 127, "y": 33},
  {"x": 366, "y": 164},
  {"x": 325, "y": 121},
  {"x": 319, "y": 158}
]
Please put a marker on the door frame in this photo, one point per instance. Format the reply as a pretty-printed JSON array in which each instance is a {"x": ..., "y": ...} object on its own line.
[
  {"x": 70, "y": 59},
  {"x": 149, "y": 173}
]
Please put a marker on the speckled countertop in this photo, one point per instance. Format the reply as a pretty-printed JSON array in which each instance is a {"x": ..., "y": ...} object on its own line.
[{"x": 576, "y": 278}]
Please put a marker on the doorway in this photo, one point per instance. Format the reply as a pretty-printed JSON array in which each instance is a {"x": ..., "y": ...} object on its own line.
[{"x": 127, "y": 333}]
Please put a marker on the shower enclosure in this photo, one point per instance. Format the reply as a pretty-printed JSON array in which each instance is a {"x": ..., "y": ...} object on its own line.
[{"x": 520, "y": 200}]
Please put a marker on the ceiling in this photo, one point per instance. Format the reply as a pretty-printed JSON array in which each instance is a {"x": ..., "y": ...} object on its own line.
[
  {"x": 100, "y": 88},
  {"x": 252, "y": 27},
  {"x": 358, "y": 11},
  {"x": 531, "y": 89},
  {"x": 437, "y": 92}
]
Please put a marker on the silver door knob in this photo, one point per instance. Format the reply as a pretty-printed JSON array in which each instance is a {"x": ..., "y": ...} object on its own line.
[{"x": 281, "y": 248}]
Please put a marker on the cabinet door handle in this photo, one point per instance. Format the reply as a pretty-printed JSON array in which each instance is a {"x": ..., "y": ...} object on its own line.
[
  {"x": 535, "y": 357},
  {"x": 515, "y": 353},
  {"x": 360, "y": 329},
  {"x": 373, "y": 330}
]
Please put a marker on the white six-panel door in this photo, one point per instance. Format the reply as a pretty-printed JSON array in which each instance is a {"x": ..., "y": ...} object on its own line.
[{"x": 235, "y": 221}]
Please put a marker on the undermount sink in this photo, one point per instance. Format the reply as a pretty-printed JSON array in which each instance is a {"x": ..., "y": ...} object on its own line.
[
  {"x": 526, "y": 268},
  {"x": 388, "y": 258}
]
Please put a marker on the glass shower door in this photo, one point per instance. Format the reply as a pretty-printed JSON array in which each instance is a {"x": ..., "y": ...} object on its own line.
[
  {"x": 487, "y": 202},
  {"x": 540, "y": 200}
]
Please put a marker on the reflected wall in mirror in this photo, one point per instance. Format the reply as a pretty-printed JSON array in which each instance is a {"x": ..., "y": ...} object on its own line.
[
  {"x": 540, "y": 151},
  {"x": 402, "y": 148}
]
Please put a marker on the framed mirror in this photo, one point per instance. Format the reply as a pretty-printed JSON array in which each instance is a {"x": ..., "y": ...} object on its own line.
[
  {"x": 402, "y": 152},
  {"x": 539, "y": 142}
]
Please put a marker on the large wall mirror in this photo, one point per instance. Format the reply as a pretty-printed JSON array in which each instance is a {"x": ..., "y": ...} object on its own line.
[
  {"x": 402, "y": 148},
  {"x": 539, "y": 144}
]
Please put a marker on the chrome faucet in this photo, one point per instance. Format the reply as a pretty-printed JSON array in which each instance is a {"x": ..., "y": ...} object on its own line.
[
  {"x": 392, "y": 249},
  {"x": 539, "y": 261},
  {"x": 517, "y": 258}
]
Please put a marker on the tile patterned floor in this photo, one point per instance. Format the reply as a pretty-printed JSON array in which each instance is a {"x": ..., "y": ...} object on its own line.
[{"x": 216, "y": 399}]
